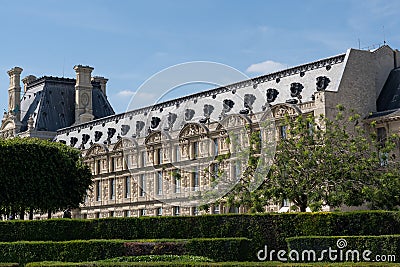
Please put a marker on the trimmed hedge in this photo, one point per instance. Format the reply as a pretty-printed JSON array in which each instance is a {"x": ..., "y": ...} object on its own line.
[
  {"x": 218, "y": 249},
  {"x": 198, "y": 264},
  {"x": 156, "y": 258},
  {"x": 348, "y": 248},
  {"x": 87, "y": 250},
  {"x": 263, "y": 229}
]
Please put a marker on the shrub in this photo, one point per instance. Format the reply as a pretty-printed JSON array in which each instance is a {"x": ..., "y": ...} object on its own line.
[
  {"x": 153, "y": 258},
  {"x": 263, "y": 229},
  {"x": 154, "y": 248},
  {"x": 77, "y": 251},
  {"x": 220, "y": 249}
]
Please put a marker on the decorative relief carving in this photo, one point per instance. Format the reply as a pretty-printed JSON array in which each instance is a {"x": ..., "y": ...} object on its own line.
[{"x": 280, "y": 111}]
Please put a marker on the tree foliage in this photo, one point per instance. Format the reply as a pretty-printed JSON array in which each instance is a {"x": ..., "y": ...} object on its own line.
[
  {"x": 321, "y": 162},
  {"x": 333, "y": 162},
  {"x": 38, "y": 175}
]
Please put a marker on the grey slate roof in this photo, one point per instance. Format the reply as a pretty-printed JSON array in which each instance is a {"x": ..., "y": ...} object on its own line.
[
  {"x": 248, "y": 94},
  {"x": 51, "y": 101},
  {"x": 389, "y": 97}
]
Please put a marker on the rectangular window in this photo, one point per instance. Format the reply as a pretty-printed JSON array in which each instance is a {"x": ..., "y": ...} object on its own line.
[
  {"x": 216, "y": 209},
  {"x": 159, "y": 211},
  {"x": 159, "y": 156},
  {"x": 127, "y": 213},
  {"x": 159, "y": 183},
  {"x": 310, "y": 127},
  {"x": 283, "y": 131},
  {"x": 381, "y": 134},
  {"x": 98, "y": 167},
  {"x": 236, "y": 168},
  {"x": 215, "y": 168},
  {"x": 177, "y": 153},
  {"x": 177, "y": 181},
  {"x": 112, "y": 165},
  {"x": 195, "y": 180},
  {"x": 216, "y": 149},
  {"x": 177, "y": 210},
  {"x": 195, "y": 150},
  {"x": 127, "y": 187},
  {"x": 112, "y": 188},
  {"x": 142, "y": 185},
  {"x": 142, "y": 212},
  {"x": 111, "y": 214},
  {"x": 195, "y": 211},
  {"x": 285, "y": 203},
  {"x": 97, "y": 215},
  {"x": 143, "y": 159},
  {"x": 98, "y": 190}
]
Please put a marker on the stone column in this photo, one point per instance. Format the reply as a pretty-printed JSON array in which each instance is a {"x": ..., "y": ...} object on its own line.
[
  {"x": 103, "y": 82},
  {"x": 28, "y": 79},
  {"x": 14, "y": 92},
  {"x": 83, "y": 94}
]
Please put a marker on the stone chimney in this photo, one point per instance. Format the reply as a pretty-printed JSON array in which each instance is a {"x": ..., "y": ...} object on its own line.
[
  {"x": 14, "y": 92},
  {"x": 83, "y": 94},
  {"x": 103, "y": 82},
  {"x": 28, "y": 79}
]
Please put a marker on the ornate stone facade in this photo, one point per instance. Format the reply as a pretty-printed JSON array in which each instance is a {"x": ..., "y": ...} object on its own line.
[{"x": 145, "y": 161}]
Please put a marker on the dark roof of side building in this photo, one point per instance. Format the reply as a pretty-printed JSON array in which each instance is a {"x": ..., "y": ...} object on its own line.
[
  {"x": 51, "y": 102},
  {"x": 389, "y": 98}
]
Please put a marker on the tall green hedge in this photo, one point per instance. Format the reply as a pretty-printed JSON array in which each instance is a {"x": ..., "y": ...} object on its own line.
[
  {"x": 262, "y": 229},
  {"x": 346, "y": 248},
  {"x": 88, "y": 250},
  {"x": 219, "y": 249}
]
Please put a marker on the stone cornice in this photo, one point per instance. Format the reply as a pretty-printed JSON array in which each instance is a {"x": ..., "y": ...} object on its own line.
[
  {"x": 177, "y": 101},
  {"x": 50, "y": 79}
]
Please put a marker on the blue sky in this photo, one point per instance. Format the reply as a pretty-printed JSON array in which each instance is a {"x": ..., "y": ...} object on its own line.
[{"x": 129, "y": 41}]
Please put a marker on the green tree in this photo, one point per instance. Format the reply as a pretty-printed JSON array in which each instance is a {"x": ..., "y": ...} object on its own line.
[
  {"x": 332, "y": 164},
  {"x": 38, "y": 175}
]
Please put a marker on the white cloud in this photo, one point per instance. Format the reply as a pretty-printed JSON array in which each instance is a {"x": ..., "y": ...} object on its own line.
[
  {"x": 126, "y": 93},
  {"x": 266, "y": 67}
]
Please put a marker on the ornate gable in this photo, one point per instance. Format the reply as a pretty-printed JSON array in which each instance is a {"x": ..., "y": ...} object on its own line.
[
  {"x": 153, "y": 138},
  {"x": 233, "y": 121},
  {"x": 280, "y": 110},
  {"x": 96, "y": 149},
  {"x": 192, "y": 130}
]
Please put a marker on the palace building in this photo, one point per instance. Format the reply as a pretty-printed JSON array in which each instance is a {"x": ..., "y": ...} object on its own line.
[{"x": 149, "y": 161}]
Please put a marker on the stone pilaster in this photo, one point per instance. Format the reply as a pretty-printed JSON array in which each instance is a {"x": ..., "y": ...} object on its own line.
[
  {"x": 83, "y": 94},
  {"x": 14, "y": 92}
]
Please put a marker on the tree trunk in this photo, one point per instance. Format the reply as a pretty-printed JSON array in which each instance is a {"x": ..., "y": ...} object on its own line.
[
  {"x": 22, "y": 213},
  {"x": 31, "y": 214},
  {"x": 49, "y": 214},
  {"x": 303, "y": 208}
]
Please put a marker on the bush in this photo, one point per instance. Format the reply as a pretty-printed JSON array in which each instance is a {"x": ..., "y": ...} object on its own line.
[
  {"x": 155, "y": 258},
  {"x": 198, "y": 264},
  {"x": 77, "y": 251},
  {"x": 220, "y": 249},
  {"x": 348, "y": 248},
  {"x": 263, "y": 229},
  {"x": 154, "y": 248}
]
